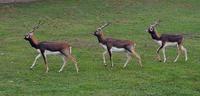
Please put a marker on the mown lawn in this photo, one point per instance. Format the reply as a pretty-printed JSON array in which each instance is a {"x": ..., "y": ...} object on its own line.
[{"x": 73, "y": 20}]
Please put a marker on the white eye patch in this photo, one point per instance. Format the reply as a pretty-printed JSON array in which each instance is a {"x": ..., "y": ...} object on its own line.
[
  {"x": 151, "y": 28},
  {"x": 27, "y": 36}
]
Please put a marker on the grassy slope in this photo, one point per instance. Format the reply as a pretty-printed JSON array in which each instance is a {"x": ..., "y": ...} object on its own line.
[{"x": 72, "y": 21}]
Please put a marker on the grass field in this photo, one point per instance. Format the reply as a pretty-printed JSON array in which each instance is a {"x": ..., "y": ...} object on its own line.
[{"x": 73, "y": 20}]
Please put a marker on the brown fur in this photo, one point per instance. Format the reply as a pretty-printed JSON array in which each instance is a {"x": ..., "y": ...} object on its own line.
[
  {"x": 128, "y": 45},
  {"x": 62, "y": 47}
]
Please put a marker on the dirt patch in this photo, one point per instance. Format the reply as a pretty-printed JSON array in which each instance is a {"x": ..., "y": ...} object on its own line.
[
  {"x": 15, "y": 1},
  {"x": 7, "y": 9}
]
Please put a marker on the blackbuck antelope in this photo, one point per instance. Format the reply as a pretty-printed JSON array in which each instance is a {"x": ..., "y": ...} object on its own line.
[
  {"x": 114, "y": 45},
  {"x": 166, "y": 40},
  {"x": 50, "y": 48}
]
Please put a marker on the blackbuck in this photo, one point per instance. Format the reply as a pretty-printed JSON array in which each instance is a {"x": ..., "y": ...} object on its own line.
[
  {"x": 45, "y": 48},
  {"x": 115, "y": 45},
  {"x": 165, "y": 40}
]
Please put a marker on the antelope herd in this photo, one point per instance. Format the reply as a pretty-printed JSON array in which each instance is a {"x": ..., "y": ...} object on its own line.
[{"x": 63, "y": 49}]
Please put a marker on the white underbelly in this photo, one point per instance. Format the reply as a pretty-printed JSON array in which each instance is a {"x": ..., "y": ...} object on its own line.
[
  {"x": 46, "y": 52},
  {"x": 113, "y": 49},
  {"x": 171, "y": 44},
  {"x": 167, "y": 43}
]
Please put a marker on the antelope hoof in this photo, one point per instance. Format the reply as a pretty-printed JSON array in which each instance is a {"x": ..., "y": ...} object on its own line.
[
  {"x": 105, "y": 65},
  {"x": 111, "y": 68},
  {"x": 31, "y": 68},
  {"x": 60, "y": 71},
  {"x": 47, "y": 71},
  {"x": 174, "y": 61},
  {"x": 140, "y": 63}
]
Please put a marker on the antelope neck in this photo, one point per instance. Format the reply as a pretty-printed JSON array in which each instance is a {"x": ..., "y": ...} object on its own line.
[
  {"x": 34, "y": 42},
  {"x": 155, "y": 36},
  {"x": 101, "y": 39}
]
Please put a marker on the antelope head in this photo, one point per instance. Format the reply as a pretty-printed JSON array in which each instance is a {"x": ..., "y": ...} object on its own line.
[
  {"x": 29, "y": 35},
  {"x": 99, "y": 30},
  {"x": 152, "y": 27}
]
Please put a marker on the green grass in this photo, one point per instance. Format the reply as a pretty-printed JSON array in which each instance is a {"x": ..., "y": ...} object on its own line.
[{"x": 73, "y": 20}]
